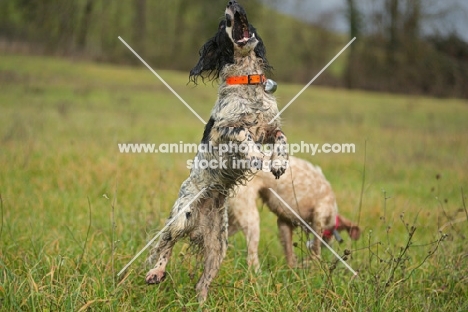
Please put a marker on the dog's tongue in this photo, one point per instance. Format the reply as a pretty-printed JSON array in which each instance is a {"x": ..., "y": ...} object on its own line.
[{"x": 246, "y": 34}]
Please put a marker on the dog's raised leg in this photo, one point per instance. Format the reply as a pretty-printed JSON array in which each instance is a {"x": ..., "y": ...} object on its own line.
[
  {"x": 242, "y": 137},
  {"x": 213, "y": 228},
  {"x": 279, "y": 157}
]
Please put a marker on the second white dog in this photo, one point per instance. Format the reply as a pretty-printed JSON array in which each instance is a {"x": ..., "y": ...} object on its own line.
[{"x": 306, "y": 190}]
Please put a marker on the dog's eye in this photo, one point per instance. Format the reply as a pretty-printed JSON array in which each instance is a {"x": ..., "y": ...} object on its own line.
[{"x": 228, "y": 20}]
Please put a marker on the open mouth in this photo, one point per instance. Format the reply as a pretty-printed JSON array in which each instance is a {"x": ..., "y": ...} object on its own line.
[
  {"x": 240, "y": 31},
  {"x": 240, "y": 28}
]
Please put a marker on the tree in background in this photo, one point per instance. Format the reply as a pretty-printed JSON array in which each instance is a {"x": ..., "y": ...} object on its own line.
[
  {"x": 392, "y": 6},
  {"x": 354, "y": 20},
  {"x": 396, "y": 56},
  {"x": 139, "y": 26},
  {"x": 83, "y": 28},
  {"x": 391, "y": 53}
]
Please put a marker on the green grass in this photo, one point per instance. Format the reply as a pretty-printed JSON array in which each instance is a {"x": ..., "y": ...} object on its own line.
[{"x": 75, "y": 211}]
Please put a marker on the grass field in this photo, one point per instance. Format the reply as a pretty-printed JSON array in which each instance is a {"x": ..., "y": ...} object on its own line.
[{"x": 74, "y": 210}]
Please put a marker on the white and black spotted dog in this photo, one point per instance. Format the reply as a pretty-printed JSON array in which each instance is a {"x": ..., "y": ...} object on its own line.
[{"x": 241, "y": 116}]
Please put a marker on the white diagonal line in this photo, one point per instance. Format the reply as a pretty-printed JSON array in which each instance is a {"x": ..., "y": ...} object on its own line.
[
  {"x": 162, "y": 80},
  {"x": 159, "y": 233},
  {"x": 313, "y": 232},
  {"x": 313, "y": 79}
]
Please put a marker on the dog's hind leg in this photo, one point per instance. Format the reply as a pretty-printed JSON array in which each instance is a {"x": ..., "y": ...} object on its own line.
[
  {"x": 213, "y": 226},
  {"x": 179, "y": 224},
  {"x": 162, "y": 252}
]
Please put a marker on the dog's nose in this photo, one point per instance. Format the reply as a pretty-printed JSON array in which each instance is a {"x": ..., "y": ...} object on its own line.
[{"x": 230, "y": 3}]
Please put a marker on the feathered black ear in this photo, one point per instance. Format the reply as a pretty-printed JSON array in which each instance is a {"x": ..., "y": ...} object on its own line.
[
  {"x": 214, "y": 54},
  {"x": 260, "y": 50}
]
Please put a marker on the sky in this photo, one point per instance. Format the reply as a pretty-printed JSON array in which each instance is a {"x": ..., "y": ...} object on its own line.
[{"x": 332, "y": 13}]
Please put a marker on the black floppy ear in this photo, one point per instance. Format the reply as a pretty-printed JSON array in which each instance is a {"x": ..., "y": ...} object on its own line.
[
  {"x": 214, "y": 54},
  {"x": 207, "y": 63},
  {"x": 260, "y": 50}
]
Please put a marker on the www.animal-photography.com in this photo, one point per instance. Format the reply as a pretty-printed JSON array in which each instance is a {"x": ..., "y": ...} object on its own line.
[{"x": 233, "y": 155}]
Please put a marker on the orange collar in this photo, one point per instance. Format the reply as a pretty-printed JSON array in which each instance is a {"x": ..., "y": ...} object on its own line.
[{"x": 247, "y": 79}]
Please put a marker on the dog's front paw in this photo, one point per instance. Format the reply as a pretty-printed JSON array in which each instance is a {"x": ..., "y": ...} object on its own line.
[
  {"x": 155, "y": 276},
  {"x": 249, "y": 149},
  {"x": 279, "y": 166}
]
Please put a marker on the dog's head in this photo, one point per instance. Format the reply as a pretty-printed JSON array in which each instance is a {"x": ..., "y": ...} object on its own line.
[
  {"x": 342, "y": 224},
  {"x": 238, "y": 28},
  {"x": 346, "y": 225},
  {"x": 235, "y": 36}
]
